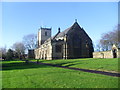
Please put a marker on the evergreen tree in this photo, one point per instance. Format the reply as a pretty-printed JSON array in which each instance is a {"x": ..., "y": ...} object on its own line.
[{"x": 10, "y": 54}]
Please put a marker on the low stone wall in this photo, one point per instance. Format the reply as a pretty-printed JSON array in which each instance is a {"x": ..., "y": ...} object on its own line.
[{"x": 104, "y": 54}]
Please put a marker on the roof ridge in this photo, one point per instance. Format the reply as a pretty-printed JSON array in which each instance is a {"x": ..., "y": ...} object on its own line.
[{"x": 61, "y": 34}]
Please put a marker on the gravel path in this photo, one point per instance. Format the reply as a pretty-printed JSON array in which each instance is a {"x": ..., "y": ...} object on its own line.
[{"x": 85, "y": 70}]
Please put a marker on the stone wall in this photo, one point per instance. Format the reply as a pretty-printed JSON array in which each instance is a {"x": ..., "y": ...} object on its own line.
[
  {"x": 44, "y": 51},
  {"x": 105, "y": 54},
  {"x": 57, "y": 49},
  {"x": 79, "y": 44}
]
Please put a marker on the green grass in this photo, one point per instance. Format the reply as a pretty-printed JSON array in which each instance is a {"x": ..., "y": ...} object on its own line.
[
  {"x": 87, "y": 63},
  {"x": 18, "y": 74}
]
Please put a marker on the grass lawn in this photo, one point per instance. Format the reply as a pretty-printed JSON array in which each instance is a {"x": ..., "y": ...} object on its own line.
[
  {"x": 88, "y": 63},
  {"x": 18, "y": 74}
]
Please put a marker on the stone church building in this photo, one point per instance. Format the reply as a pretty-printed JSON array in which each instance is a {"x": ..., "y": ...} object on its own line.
[{"x": 72, "y": 43}]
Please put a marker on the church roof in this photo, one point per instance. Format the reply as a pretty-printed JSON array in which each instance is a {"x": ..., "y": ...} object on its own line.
[
  {"x": 65, "y": 32},
  {"x": 61, "y": 34}
]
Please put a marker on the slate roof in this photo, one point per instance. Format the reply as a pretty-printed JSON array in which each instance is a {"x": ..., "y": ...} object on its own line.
[{"x": 61, "y": 34}]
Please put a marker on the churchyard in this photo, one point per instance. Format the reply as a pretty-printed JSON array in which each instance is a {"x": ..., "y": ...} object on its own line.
[{"x": 18, "y": 74}]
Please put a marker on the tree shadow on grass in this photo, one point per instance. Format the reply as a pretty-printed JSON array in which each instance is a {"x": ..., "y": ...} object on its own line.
[
  {"x": 67, "y": 64},
  {"x": 21, "y": 65},
  {"x": 71, "y": 63}
]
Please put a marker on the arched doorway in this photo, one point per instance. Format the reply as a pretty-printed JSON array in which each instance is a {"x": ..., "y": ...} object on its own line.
[
  {"x": 114, "y": 53},
  {"x": 102, "y": 54}
]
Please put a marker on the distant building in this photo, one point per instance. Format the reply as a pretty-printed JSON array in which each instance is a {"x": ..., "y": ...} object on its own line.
[
  {"x": 31, "y": 54},
  {"x": 113, "y": 53},
  {"x": 72, "y": 43}
]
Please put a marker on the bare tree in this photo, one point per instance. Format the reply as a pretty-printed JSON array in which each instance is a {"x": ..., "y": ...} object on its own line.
[
  {"x": 19, "y": 49},
  {"x": 110, "y": 38},
  {"x": 30, "y": 41},
  {"x": 3, "y": 52},
  {"x": 98, "y": 47}
]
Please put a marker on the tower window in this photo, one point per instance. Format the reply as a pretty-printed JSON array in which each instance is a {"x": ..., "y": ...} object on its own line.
[{"x": 45, "y": 33}]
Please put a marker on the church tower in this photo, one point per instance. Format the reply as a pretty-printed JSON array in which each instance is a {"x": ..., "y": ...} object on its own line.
[{"x": 43, "y": 35}]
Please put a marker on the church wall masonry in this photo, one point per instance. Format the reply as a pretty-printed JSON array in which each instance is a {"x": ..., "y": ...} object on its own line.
[{"x": 44, "y": 52}]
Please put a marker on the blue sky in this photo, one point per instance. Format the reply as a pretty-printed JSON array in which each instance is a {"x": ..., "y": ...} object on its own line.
[{"x": 23, "y": 18}]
